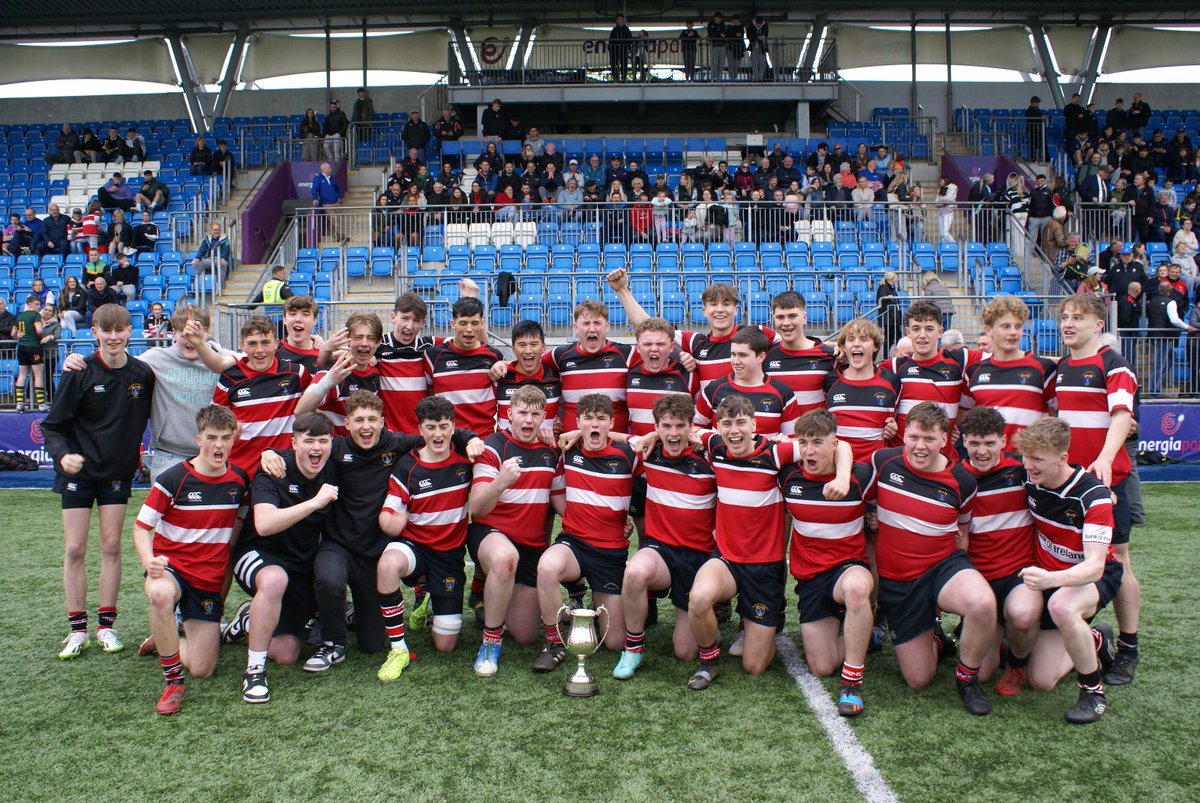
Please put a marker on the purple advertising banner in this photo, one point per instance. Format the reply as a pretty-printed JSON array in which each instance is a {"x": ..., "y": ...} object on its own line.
[
  {"x": 1170, "y": 428},
  {"x": 22, "y": 432}
]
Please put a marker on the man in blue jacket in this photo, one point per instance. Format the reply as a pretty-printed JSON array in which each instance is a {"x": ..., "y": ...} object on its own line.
[
  {"x": 325, "y": 190},
  {"x": 213, "y": 251},
  {"x": 52, "y": 238}
]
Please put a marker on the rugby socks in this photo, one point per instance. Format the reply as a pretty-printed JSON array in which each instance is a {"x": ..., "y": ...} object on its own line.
[
  {"x": 392, "y": 607},
  {"x": 633, "y": 641},
  {"x": 108, "y": 618},
  {"x": 78, "y": 621},
  {"x": 493, "y": 635},
  {"x": 852, "y": 675},
  {"x": 552, "y": 634},
  {"x": 172, "y": 669},
  {"x": 966, "y": 674},
  {"x": 1091, "y": 682},
  {"x": 256, "y": 661},
  {"x": 1127, "y": 643},
  {"x": 710, "y": 654}
]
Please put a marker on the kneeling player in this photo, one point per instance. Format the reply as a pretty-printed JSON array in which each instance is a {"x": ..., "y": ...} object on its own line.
[
  {"x": 680, "y": 507},
  {"x": 426, "y": 513},
  {"x": 925, "y": 504},
  {"x": 1000, "y": 542},
  {"x": 594, "y": 542},
  {"x": 182, "y": 536},
  {"x": 273, "y": 562},
  {"x": 1076, "y": 570},
  {"x": 511, "y": 497},
  {"x": 828, "y": 558}
]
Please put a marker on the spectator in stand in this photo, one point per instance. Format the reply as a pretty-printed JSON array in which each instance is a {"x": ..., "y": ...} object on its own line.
[
  {"x": 1093, "y": 284},
  {"x": 859, "y": 160},
  {"x": 1180, "y": 289},
  {"x": 887, "y": 299},
  {"x": 44, "y": 294},
  {"x": 491, "y": 123},
  {"x": 1162, "y": 223},
  {"x": 818, "y": 158},
  {"x": 200, "y": 159},
  {"x": 491, "y": 155},
  {"x": 863, "y": 198},
  {"x": 157, "y": 326},
  {"x": 416, "y": 134},
  {"x": 85, "y": 235},
  {"x": 214, "y": 249},
  {"x": 223, "y": 163},
  {"x": 1184, "y": 263},
  {"x": 1041, "y": 208},
  {"x": 51, "y": 332},
  {"x": 1074, "y": 261},
  {"x": 52, "y": 238},
  {"x": 1117, "y": 119},
  {"x": 66, "y": 147},
  {"x": 422, "y": 180},
  {"x": 689, "y": 37},
  {"x": 97, "y": 295},
  {"x": 1125, "y": 271},
  {"x": 1074, "y": 120},
  {"x": 735, "y": 43},
  {"x": 513, "y": 130},
  {"x": 1186, "y": 237},
  {"x": 639, "y": 52},
  {"x": 145, "y": 234},
  {"x": 550, "y": 155},
  {"x": 89, "y": 148},
  {"x": 550, "y": 183},
  {"x": 363, "y": 112},
  {"x": 95, "y": 266},
  {"x": 788, "y": 172},
  {"x": 486, "y": 178},
  {"x": 116, "y": 194},
  {"x": 758, "y": 34},
  {"x": 620, "y": 39},
  {"x": 326, "y": 193},
  {"x": 946, "y": 203},
  {"x": 1158, "y": 148},
  {"x": 1163, "y": 325},
  {"x": 447, "y": 128},
  {"x": 135, "y": 145},
  {"x": 7, "y": 321},
  {"x": 334, "y": 131},
  {"x": 448, "y": 177},
  {"x": 113, "y": 147},
  {"x": 716, "y": 46},
  {"x": 310, "y": 134},
  {"x": 154, "y": 194},
  {"x": 1035, "y": 131},
  {"x": 10, "y": 244},
  {"x": 120, "y": 234},
  {"x": 593, "y": 171},
  {"x": 569, "y": 200},
  {"x": 125, "y": 277},
  {"x": 73, "y": 302},
  {"x": 1139, "y": 115},
  {"x": 940, "y": 295}
]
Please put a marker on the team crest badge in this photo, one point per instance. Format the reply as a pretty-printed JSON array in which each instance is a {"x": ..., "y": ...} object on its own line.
[
  {"x": 387, "y": 458},
  {"x": 449, "y": 583},
  {"x": 1088, "y": 378},
  {"x": 607, "y": 361},
  {"x": 135, "y": 390},
  {"x": 760, "y": 610},
  {"x": 614, "y": 466},
  {"x": 209, "y": 605},
  {"x": 115, "y": 484}
]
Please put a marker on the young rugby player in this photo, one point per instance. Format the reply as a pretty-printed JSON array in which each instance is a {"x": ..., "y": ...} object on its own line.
[
  {"x": 925, "y": 502},
  {"x": 1094, "y": 390},
  {"x": 518, "y": 483},
  {"x": 774, "y": 403},
  {"x": 273, "y": 561},
  {"x": 594, "y": 543},
  {"x": 1001, "y": 542},
  {"x": 458, "y": 369},
  {"x": 27, "y": 331},
  {"x": 1016, "y": 384},
  {"x": 425, "y": 513},
  {"x": 862, "y": 396},
  {"x": 592, "y": 364},
  {"x": 529, "y": 346},
  {"x": 93, "y": 433},
  {"x": 797, "y": 360},
  {"x": 828, "y": 558},
  {"x": 1076, "y": 572},
  {"x": 354, "y": 370},
  {"x": 680, "y": 516},
  {"x": 182, "y": 536}
]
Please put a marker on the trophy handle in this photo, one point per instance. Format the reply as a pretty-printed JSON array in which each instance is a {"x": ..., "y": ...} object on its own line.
[
  {"x": 607, "y": 625},
  {"x": 557, "y": 619}
]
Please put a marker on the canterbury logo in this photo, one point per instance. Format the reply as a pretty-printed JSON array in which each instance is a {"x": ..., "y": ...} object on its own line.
[{"x": 194, "y": 496}]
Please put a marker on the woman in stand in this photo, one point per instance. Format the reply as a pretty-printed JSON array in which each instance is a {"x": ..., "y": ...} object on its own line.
[
  {"x": 887, "y": 298},
  {"x": 946, "y": 203}
]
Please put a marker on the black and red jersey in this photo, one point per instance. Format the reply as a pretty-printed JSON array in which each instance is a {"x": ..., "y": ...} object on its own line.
[
  {"x": 521, "y": 511},
  {"x": 402, "y": 380},
  {"x": 804, "y": 371},
  {"x": 919, "y": 513},
  {"x": 1087, "y": 392},
  {"x": 1001, "y": 533},
  {"x": 334, "y": 403},
  {"x": 264, "y": 403},
  {"x": 711, "y": 352},
  {"x": 750, "y": 511},
  {"x": 1077, "y": 513},
  {"x": 601, "y": 372},
  {"x": 938, "y": 379},
  {"x": 1019, "y": 389},
  {"x": 461, "y": 377},
  {"x": 825, "y": 533},
  {"x": 546, "y": 380},
  {"x": 598, "y": 489},
  {"x": 192, "y": 517},
  {"x": 775, "y": 409},
  {"x": 862, "y": 408},
  {"x": 434, "y": 495},
  {"x": 643, "y": 389},
  {"x": 305, "y": 357},
  {"x": 681, "y": 499}
]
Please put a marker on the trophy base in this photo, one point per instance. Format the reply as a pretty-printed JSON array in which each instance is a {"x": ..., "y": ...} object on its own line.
[{"x": 581, "y": 689}]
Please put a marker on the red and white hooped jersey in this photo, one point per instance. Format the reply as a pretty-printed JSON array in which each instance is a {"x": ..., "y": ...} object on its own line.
[
  {"x": 264, "y": 403},
  {"x": 825, "y": 533},
  {"x": 1001, "y": 533},
  {"x": 521, "y": 511},
  {"x": 434, "y": 495}
]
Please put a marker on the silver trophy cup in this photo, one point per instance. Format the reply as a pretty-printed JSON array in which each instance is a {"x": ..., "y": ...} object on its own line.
[{"x": 582, "y": 642}]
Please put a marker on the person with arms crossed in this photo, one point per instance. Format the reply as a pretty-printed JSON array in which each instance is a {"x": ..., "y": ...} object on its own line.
[
  {"x": 517, "y": 486},
  {"x": 182, "y": 535},
  {"x": 425, "y": 514},
  {"x": 828, "y": 558},
  {"x": 925, "y": 502},
  {"x": 94, "y": 433},
  {"x": 1000, "y": 544},
  {"x": 273, "y": 560},
  {"x": 1094, "y": 389},
  {"x": 1076, "y": 570}
]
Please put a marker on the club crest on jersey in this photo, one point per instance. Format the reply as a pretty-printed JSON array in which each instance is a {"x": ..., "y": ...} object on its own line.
[
  {"x": 135, "y": 390},
  {"x": 881, "y": 399},
  {"x": 945, "y": 372},
  {"x": 766, "y": 404},
  {"x": 760, "y": 610},
  {"x": 387, "y": 458},
  {"x": 607, "y": 361},
  {"x": 461, "y": 473},
  {"x": 233, "y": 493},
  {"x": 1088, "y": 377},
  {"x": 286, "y": 382},
  {"x": 614, "y": 466},
  {"x": 942, "y": 496},
  {"x": 1024, "y": 377},
  {"x": 548, "y": 459},
  {"x": 1072, "y": 515},
  {"x": 115, "y": 485},
  {"x": 449, "y": 583}
]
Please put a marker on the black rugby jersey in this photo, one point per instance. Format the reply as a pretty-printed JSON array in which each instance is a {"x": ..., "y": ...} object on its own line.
[{"x": 297, "y": 545}]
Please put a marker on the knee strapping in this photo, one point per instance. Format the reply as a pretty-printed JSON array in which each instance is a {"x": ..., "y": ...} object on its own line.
[{"x": 445, "y": 624}]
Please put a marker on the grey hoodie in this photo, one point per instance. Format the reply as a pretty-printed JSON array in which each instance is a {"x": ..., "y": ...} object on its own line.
[{"x": 181, "y": 388}]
